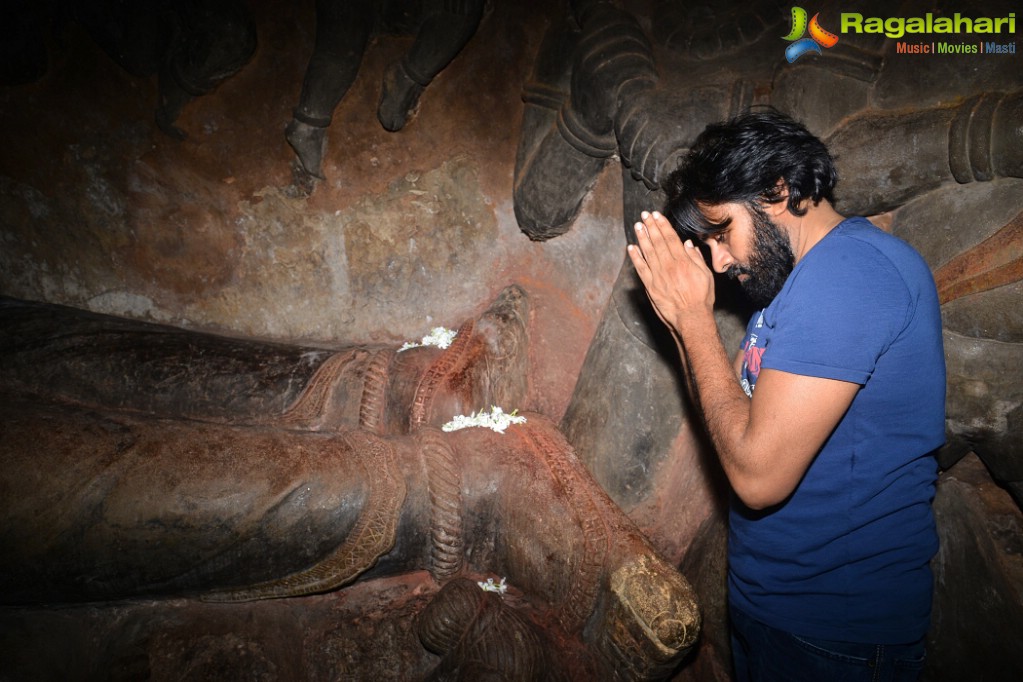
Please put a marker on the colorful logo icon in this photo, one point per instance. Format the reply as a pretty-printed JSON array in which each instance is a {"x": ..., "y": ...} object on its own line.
[{"x": 818, "y": 36}]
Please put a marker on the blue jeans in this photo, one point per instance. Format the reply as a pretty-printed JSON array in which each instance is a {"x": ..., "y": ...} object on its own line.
[{"x": 764, "y": 654}]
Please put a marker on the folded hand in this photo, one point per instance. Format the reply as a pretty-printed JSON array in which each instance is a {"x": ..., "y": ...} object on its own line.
[{"x": 677, "y": 279}]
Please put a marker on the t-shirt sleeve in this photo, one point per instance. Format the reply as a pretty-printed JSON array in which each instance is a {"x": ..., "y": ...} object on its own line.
[{"x": 838, "y": 314}]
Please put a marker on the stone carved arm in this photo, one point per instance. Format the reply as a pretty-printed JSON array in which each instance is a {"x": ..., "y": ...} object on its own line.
[{"x": 124, "y": 506}]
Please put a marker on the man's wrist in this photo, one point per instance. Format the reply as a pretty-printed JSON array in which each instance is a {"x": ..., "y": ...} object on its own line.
[{"x": 695, "y": 324}]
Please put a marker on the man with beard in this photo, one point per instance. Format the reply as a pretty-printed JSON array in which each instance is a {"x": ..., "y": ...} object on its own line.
[{"x": 827, "y": 437}]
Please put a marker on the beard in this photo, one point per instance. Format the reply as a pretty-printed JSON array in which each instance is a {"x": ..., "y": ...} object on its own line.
[{"x": 770, "y": 263}]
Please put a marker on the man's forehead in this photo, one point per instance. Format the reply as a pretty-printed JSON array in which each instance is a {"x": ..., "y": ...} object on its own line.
[{"x": 719, "y": 213}]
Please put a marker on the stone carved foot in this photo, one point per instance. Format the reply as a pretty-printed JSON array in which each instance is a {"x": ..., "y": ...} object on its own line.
[
  {"x": 399, "y": 97},
  {"x": 309, "y": 143},
  {"x": 486, "y": 365},
  {"x": 650, "y": 618},
  {"x": 562, "y": 539},
  {"x": 172, "y": 99}
]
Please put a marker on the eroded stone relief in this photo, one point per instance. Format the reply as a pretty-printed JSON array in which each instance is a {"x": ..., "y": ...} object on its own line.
[{"x": 170, "y": 464}]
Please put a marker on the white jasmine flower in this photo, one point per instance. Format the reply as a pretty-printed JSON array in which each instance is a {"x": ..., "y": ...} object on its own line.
[
  {"x": 495, "y": 420},
  {"x": 491, "y": 586},
  {"x": 438, "y": 336}
]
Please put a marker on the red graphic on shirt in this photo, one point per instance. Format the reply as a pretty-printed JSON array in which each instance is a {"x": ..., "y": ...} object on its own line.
[{"x": 753, "y": 357}]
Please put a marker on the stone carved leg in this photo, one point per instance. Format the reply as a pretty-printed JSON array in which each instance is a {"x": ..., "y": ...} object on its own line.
[
  {"x": 851, "y": 72},
  {"x": 547, "y": 89},
  {"x": 101, "y": 361},
  {"x": 99, "y": 507},
  {"x": 213, "y": 41},
  {"x": 373, "y": 534},
  {"x": 651, "y": 137},
  {"x": 343, "y": 28},
  {"x": 611, "y": 64},
  {"x": 631, "y": 421},
  {"x": 442, "y": 34},
  {"x": 192, "y": 47},
  {"x": 521, "y": 504},
  {"x": 122, "y": 506}
]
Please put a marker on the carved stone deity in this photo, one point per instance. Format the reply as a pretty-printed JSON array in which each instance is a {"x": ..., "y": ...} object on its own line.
[{"x": 148, "y": 462}]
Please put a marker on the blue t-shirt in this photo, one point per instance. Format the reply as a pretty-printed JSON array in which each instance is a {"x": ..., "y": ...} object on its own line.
[{"x": 846, "y": 556}]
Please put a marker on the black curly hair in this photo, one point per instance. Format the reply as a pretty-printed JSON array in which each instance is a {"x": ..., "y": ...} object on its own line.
[{"x": 741, "y": 161}]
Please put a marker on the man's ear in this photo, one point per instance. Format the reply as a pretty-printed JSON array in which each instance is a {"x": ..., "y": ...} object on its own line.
[{"x": 775, "y": 208}]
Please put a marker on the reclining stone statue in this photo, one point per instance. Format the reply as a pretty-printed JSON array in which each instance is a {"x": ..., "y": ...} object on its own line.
[{"x": 147, "y": 462}]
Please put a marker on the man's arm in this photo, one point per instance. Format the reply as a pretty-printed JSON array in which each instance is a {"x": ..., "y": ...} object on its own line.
[{"x": 765, "y": 444}]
